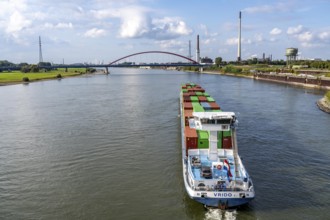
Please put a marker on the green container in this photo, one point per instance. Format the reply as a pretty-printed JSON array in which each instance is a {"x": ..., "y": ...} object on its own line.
[
  {"x": 184, "y": 90},
  {"x": 203, "y": 139},
  {"x": 216, "y": 110},
  {"x": 210, "y": 99},
  {"x": 226, "y": 133},
  {"x": 197, "y": 107},
  {"x": 219, "y": 140},
  {"x": 199, "y": 93},
  {"x": 206, "y": 94},
  {"x": 192, "y": 84},
  {"x": 194, "y": 98}
]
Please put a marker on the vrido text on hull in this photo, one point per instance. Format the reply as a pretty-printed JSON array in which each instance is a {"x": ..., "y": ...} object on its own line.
[{"x": 213, "y": 172}]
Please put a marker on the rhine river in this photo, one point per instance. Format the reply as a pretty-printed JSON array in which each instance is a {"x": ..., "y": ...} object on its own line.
[{"x": 108, "y": 147}]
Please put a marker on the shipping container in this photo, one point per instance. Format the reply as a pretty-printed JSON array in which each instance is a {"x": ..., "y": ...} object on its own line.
[
  {"x": 194, "y": 98},
  {"x": 202, "y": 99},
  {"x": 191, "y": 138},
  {"x": 214, "y": 106},
  {"x": 197, "y": 107},
  {"x": 206, "y": 94},
  {"x": 226, "y": 143},
  {"x": 187, "y": 106},
  {"x": 187, "y": 114},
  {"x": 203, "y": 139},
  {"x": 205, "y": 105},
  {"x": 210, "y": 99},
  {"x": 219, "y": 140},
  {"x": 199, "y": 93},
  {"x": 226, "y": 133}
]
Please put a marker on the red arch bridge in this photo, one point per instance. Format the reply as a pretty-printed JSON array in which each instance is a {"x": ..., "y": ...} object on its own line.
[{"x": 118, "y": 63}]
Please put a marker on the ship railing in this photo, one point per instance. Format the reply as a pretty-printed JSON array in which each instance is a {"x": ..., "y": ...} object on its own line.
[{"x": 236, "y": 189}]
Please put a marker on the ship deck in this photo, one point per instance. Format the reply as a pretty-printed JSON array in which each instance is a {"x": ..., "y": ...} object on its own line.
[{"x": 219, "y": 174}]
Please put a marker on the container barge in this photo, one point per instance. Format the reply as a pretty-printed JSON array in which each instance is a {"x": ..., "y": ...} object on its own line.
[{"x": 213, "y": 172}]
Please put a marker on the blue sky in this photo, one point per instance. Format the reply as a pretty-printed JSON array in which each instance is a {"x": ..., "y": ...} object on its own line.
[{"x": 104, "y": 30}]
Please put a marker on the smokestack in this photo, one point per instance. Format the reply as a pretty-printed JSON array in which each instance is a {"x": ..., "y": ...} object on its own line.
[
  {"x": 189, "y": 49},
  {"x": 239, "y": 37},
  {"x": 197, "y": 51}
]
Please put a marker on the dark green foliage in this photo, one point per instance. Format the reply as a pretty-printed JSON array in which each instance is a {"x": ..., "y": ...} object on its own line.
[
  {"x": 218, "y": 61},
  {"x": 25, "y": 79},
  {"x": 30, "y": 69}
]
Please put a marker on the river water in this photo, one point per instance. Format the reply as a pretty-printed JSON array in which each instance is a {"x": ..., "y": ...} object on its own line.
[{"x": 108, "y": 147}]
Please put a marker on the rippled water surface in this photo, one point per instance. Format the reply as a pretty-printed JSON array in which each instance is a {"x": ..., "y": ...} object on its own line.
[{"x": 108, "y": 147}]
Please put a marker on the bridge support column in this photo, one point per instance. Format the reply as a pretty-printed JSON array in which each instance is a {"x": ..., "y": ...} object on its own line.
[
  {"x": 107, "y": 71},
  {"x": 201, "y": 69}
]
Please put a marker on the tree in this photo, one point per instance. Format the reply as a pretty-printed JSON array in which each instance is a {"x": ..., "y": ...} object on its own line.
[{"x": 218, "y": 61}]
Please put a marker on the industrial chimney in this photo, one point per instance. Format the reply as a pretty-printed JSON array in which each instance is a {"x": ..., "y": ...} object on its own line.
[
  {"x": 239, "y": 37},
  {"x": 197, "y": 51}
]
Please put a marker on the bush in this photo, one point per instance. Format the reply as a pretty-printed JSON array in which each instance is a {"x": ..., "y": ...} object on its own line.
[
  {"x": 327, "y": 95},
  {"x": 25, "y": 79},
  {"x": 59, "y": 76},
  {"x": 232, "y": 69}
]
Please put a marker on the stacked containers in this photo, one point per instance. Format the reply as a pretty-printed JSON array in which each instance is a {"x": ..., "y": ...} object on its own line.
[
  {"x": 191, "y": 138},
  {"x": 187, "y": 115},
  {"x": 195, "y": 99}
]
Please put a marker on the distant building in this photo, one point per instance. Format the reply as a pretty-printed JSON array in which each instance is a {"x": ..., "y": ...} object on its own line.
[{"x": 206, "y": 60}]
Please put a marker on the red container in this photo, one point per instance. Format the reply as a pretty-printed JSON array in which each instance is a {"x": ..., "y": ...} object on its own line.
[
  {"x": 187, "y": 106},
  {"x": 214, "y": 106},
  {"x": 226, "y": 143},
  {"x": 186, "y": 99},
  {"x": 202, "y": 99},
  {"x": 191, "y": 138},
  {"x": 186, "y": 95},
  {"x": 187, "y": 115}
]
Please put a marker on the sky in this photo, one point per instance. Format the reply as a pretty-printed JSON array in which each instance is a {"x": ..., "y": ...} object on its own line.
[{"x": 100, "y": 31}]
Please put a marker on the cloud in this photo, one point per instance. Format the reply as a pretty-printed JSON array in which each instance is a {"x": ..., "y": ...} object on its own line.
[
  {"x": 268, "y": 8},
  {"x": 59, "y": 25},
  {"x": 168, "y": 28},
  {"x": 295, "y": 30},
  {"x": 275, "y": 31},
  {"x": 94, "y": 33},
  {"x": 137, "y": 22}
]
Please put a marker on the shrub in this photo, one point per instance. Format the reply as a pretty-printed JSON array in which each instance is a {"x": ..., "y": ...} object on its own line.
[
  {"x": 25, "y": 79},
  {"x": 327, "y": 95},
  {"x": 59, "y": 76},
  {"x": 232, "y": 69}
]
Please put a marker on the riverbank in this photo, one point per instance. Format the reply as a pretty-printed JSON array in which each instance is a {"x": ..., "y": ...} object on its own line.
[
  {"x": 322, "y": 83},
  {"x": 17, "y": 77},
  {"x": 324, "y": 104}
]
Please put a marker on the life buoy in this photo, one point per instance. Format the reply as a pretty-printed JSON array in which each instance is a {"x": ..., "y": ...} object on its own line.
[{"x": 219, "y": 167}]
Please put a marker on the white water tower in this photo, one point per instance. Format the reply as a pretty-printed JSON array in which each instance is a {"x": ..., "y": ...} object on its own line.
[{"x": 291, "y": 55}]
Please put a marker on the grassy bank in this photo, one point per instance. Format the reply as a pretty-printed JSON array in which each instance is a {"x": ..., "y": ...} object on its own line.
[{"x": 18, "y": 76}]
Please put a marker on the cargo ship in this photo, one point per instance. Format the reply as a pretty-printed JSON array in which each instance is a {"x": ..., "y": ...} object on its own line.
[{"x": 213, "y": 172}]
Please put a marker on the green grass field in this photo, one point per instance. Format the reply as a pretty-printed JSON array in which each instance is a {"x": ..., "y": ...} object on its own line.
[{"x": 17, "y": 76}]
